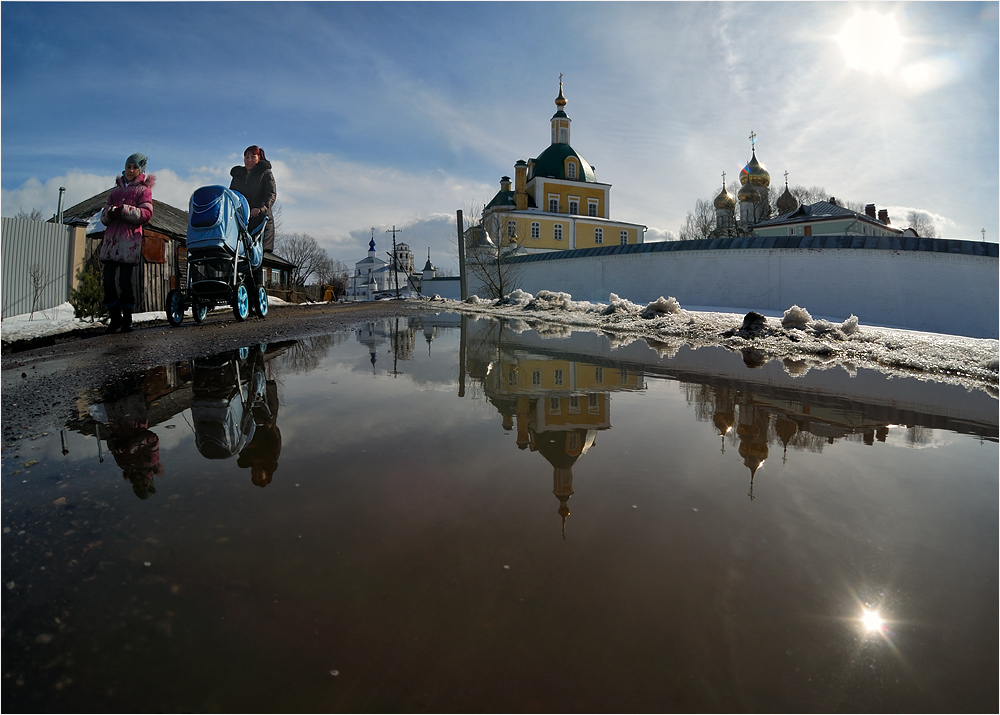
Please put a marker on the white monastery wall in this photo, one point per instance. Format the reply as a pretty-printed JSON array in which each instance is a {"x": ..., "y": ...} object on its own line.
[{"x": 917, "y": 290}]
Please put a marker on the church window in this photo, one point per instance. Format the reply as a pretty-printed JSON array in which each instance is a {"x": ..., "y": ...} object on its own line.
[
  {"x": 592, "y": 207},
  {"x": 512, "y": 377},
  {"x": 574, "y": 405},
  {"x": 558, "y": 377},
  {"x": 536, "y": 378},
  {"x": 574, "y": 206},
  {"x": 553, "y": 204},
  {"x": 598, "y": 375},
  {"x": 623, "y": 238},
  {"x": 571, "y": 170},
  {"x": 557, "y": 232},
  {"x": 554, "y": 407},
  {"x": 598, "y": 235},
  {"x": 624, "y": 376},
  {"x": 536, "y": 229},
  {"x": 512, "y": 229},
  {"x": 593, "y": 402}
]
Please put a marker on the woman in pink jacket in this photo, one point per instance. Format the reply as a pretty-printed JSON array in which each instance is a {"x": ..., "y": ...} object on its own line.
[{"x": 129, "y": 206}]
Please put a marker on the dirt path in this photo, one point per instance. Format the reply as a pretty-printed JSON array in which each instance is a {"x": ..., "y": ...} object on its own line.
[{"x": 43, "y": 380}]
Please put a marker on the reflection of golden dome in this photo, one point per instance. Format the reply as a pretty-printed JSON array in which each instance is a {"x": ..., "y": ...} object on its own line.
[
  {"x": 755, "y": 172},
  {"x": 724, "y": 200},
  {"x": 723, "y": 421}
]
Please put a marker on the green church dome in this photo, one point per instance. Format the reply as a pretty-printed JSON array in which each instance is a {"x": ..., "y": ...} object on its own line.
[{"x": 551, "y": 163}]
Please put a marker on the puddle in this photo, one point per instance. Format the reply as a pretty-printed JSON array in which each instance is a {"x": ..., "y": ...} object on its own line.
[{"x": 445, "y": 514}]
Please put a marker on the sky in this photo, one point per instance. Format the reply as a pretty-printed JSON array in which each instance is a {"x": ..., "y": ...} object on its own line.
[{"x": 382, "y": 115}]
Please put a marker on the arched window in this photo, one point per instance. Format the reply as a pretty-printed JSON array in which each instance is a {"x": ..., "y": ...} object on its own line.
[
  {"x": 571, "y": 170},
  {"x": 557, "y": 232}
]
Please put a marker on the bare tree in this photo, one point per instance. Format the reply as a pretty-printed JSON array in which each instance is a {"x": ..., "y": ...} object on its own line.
[
  {"x": 275, "y": 218},
  {"x": 701, "y": 223},
  {"x": 302, "y": 251},
  {"x": 37, "y": 276},
  {"x": 491, "y": 241},
  {"x": 34, "y": 215},
  {"x": 334, "y": 274},
  {"x": 923, "y": 224}
]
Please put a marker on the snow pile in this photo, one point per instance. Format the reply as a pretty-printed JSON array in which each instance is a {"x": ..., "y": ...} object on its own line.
[
  {"x": 796, "y": 317},
  {"x": 517, "y": 297},
  {"x": 621, "y": 306},
  {"x": 548, "y": 300},
  {"x": 800, "y": 342},
  {"x": 662, "y": 306}
]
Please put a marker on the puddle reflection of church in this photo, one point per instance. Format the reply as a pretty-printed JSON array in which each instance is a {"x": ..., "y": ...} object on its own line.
[
  {"x": 760, "y": 420},
  {"x": 556, "y": 407}
]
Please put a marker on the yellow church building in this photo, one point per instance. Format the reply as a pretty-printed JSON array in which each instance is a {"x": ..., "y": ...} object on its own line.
[{"x": 556, "y": 202}]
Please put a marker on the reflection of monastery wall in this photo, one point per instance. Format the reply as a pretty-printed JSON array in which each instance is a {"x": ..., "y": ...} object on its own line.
[{"x": 933, "y": 405}]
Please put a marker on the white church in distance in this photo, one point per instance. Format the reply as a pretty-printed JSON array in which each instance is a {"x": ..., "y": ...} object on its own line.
[{"x": 375, "y": 278}]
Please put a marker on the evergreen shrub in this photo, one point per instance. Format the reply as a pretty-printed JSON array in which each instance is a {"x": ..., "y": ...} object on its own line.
[{"x": 88, "y": 299}]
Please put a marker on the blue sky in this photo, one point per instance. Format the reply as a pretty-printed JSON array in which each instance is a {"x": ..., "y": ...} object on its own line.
[{"x": 400, "y": 114}]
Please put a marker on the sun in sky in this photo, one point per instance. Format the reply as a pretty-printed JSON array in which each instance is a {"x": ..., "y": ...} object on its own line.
[{"x": 871, "y": 41}]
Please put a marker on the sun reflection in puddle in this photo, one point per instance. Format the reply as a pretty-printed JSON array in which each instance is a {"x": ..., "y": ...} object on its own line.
[{"x": 872, "y": 621}]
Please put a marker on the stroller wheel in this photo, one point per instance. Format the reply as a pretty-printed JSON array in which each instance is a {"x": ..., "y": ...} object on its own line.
[
  {"x": 259, "y": 303},
  {"x": 175, "y": 307},
  {"x": 241, "y": 303},
  {"x": 199, "y": 311}
]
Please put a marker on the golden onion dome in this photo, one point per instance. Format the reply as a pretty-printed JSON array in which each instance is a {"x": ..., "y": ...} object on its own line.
[
  {"x": 755, "y": 172},
  {"x": 724, "y": 200},
  {"x": 749, "y": 193},
  {"x": 787, "y": 201}
]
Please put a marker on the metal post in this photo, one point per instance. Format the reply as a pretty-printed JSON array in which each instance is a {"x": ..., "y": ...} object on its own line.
[{"x": 463, "y": 280}]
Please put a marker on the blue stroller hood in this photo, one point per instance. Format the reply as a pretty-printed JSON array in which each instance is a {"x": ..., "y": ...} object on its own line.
[{"x": 216, "y": 217}]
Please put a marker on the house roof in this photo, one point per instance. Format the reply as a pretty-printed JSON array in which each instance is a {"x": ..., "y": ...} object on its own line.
[
  {"x": 273, "y": 260},
  {"x": 821, "y": 211},
  {"x": 166, "y": 219}
]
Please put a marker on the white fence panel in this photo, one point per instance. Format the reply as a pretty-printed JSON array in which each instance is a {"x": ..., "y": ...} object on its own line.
[{"x": 36, "y": 265}]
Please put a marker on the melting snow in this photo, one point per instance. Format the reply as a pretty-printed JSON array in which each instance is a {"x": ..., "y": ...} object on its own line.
[{"x": 796, "y": 338}]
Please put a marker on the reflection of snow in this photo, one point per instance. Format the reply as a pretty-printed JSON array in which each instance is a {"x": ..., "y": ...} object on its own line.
[{"x": 801, "y": 342}]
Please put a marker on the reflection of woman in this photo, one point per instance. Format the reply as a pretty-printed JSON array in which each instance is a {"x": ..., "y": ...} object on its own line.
[
  {"x": 261, "y": 455},
  {"x": 135, "y": 447}
]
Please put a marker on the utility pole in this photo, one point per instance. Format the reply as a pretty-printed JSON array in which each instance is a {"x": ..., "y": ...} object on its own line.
[
  {"x": 462, "y": 278},
  {"x": 395, "y": 263}
]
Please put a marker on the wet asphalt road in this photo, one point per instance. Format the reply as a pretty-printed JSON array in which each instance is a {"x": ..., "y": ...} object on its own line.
[{"x": 42, "y": 382}]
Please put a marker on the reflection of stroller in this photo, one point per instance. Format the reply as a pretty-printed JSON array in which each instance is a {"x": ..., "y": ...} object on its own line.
[
  {"x": 222, "y": 257},
  {"x": 226, "y": 388}
]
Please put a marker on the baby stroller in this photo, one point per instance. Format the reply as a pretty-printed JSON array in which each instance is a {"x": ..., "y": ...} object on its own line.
[
  {"x": 222, "y": 257},
  {"x": 226, "y": 390}
]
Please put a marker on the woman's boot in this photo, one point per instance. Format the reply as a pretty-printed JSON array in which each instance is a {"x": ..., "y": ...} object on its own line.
[
  {"x": 115, "y": 311},
  {"x": 126, "y": 318}
]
